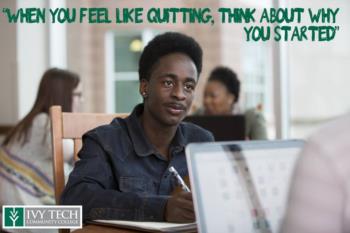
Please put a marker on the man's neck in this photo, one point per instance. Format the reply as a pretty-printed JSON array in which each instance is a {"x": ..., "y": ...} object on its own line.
[{"x": 159, "y": 135}]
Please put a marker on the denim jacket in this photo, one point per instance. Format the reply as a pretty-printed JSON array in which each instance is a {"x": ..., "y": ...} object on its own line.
[{"x": 121, "y": 176}]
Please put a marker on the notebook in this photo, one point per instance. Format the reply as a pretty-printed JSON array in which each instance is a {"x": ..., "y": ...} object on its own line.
[
  {"x": 150, "y": 226},
  {"x": 241, "y": 186},
  {"x": 224, "y": 128}
]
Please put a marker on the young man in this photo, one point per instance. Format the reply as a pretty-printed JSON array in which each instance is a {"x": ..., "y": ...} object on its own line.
[{"x": 123, "y": 168}]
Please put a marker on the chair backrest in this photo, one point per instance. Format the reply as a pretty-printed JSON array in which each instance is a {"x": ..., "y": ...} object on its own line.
[{"x": 67, "y": 125}]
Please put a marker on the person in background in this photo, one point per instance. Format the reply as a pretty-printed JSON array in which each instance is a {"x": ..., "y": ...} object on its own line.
[
  {"x": 319, "y": 198},
  {"x": 123, "y": 171},
  {"x": 26, "y": 175},
  {"x": 221, "y": 95}
]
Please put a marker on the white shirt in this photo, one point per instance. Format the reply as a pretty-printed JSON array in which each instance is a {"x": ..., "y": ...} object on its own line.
[{"x": 319, "y": 196}]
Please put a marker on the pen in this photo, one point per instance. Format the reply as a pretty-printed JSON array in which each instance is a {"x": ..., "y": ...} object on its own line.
[{"x": 182, "y": 183}]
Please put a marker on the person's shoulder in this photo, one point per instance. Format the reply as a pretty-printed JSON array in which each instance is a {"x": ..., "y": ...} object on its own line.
[
  {"x": 112, "y": 138},
  {"x": 331, "y": 142},
  {"x": 113, "y": 129},
  {"x": 252, "y": 113},
  {"x": 333, "y": 135},
  {"x": 41, "y": 126},
  {"x": 194, "y": 132},
  {"x": 40, "y": 119}
]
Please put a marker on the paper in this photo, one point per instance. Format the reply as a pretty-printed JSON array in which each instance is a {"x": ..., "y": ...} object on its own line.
[{"x": 150, "y": 226}]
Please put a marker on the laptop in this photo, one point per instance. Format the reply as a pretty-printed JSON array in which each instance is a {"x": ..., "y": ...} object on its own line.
[
  {"x": 241, "y": 186},
  {"x": 224, "y": 128}
]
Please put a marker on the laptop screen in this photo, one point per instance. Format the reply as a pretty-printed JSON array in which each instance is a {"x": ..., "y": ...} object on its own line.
[
  {"x": 224, "y": 128},
  {"x": 241, "y": 186}
]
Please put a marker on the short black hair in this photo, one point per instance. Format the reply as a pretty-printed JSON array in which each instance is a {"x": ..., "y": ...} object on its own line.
[
  {"x": 164, "y": 44},
  {"x": 228, "y": 78}
]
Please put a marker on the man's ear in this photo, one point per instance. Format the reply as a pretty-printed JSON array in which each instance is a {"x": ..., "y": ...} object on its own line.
[{"x": 144, "y": 88}]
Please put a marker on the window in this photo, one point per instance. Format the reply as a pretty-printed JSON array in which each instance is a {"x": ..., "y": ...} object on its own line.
[
  {"x": 123, "y": 50},
  {"x": 319, "y": 84}
]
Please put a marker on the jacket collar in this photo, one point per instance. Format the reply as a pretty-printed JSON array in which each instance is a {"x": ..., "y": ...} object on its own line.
[{"x": 140, "y": 143}]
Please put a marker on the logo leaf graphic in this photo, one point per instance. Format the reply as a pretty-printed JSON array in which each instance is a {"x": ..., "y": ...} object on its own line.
[
  {"x": 14, "y": 216},
  {"x": 14, "y": 219}
]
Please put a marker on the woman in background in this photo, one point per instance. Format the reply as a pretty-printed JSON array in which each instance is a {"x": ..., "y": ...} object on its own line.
[
  {"x": 221, "y": 95},
  {"x": 26, "y": 175}
]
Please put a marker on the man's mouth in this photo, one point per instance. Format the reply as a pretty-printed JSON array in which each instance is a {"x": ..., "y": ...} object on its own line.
[{"x": 175, "y": 108}]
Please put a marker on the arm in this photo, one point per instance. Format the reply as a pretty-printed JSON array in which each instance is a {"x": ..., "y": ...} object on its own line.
[
  {"x": 179, "y": 207},
  {"x": 92, "y": 185},
  {"x": 316, "y": 196},
  {"x": 256, "y": 125}
]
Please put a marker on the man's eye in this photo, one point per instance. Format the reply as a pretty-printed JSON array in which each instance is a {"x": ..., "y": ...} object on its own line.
[
  {"x": 189, "y": 87},
  {"x": 168, "y": 83}
]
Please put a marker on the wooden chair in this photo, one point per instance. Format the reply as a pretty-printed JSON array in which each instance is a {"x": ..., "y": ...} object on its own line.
[{"x": 66, "y": 125}]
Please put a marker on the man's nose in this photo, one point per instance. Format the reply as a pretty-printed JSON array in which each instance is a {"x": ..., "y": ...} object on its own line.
[{"x": 179, "y": 92}]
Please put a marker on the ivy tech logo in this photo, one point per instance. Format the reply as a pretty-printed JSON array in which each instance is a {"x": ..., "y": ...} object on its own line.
[
  {"x": 13, "y": 217},
  {"x": 41, "y": 217}
]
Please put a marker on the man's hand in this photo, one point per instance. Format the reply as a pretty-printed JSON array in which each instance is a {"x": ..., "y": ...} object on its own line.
[{"x": 179, "y": 208}]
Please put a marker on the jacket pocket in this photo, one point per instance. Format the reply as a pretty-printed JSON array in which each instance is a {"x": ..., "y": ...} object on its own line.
[{"x": 134, "y": 184}]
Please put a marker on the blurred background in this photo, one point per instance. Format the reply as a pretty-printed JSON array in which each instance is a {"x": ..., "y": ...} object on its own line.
[{"x": 297, "y": 85}]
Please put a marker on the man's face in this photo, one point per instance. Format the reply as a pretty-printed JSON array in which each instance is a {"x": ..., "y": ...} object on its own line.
[{"x": 170, "y": 89}]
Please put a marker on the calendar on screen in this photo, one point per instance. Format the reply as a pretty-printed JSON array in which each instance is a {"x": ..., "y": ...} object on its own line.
[{"x": 243, "y": 187}]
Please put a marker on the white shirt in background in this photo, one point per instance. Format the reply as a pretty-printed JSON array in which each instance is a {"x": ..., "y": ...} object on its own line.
[{"x": 319, "y": 200}]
